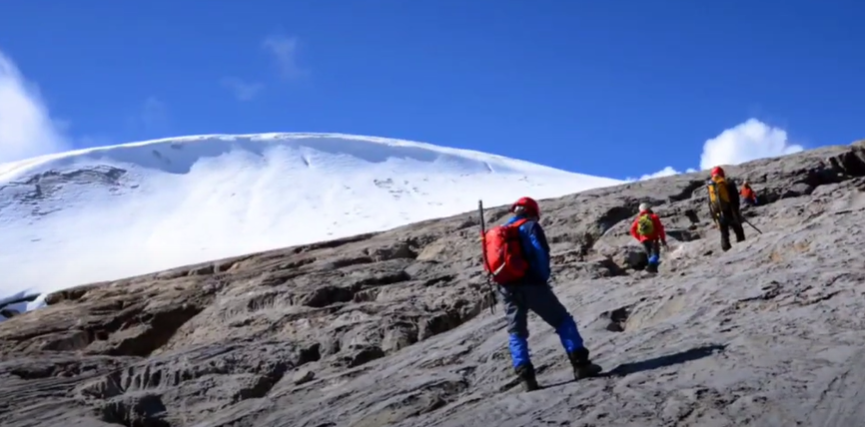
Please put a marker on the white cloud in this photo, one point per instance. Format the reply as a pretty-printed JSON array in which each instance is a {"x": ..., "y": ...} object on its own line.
[
  {"x": 243, "y": 91},
  {"x": 26, "y": 127},
  {"x": 748, "y": 141},
  {"x": 742, "y": 143},
  {"x": 667, "y": 171},
  {"x": 284, "y": 50}
]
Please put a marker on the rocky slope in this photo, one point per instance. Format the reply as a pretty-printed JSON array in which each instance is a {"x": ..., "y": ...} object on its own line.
[{"x": 393, "y": 329}]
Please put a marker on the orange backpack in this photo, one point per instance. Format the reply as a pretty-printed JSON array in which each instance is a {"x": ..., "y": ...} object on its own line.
[{"x": 503, "y": 253}]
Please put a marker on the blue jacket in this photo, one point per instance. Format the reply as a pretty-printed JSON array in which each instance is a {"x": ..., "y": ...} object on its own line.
[{"x": 535, "y": 249}]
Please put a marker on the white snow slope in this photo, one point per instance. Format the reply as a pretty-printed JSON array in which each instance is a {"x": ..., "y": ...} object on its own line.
[{"x": 111, "y": 212}]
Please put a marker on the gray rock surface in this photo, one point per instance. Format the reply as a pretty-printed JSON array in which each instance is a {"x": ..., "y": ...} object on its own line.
[{"x": 393, "y": 329}]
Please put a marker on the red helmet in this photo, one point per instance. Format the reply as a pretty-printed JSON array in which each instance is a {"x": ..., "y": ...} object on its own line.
[
  {"x": 718, "y": 171},
  {"x": 529, "y": 205}
]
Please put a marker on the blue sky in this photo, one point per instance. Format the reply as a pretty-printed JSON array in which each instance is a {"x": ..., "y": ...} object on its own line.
[{"x": 617, "y": 89}]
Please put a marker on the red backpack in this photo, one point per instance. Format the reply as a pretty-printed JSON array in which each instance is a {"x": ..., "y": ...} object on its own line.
[{"x": 503, "y": 254}]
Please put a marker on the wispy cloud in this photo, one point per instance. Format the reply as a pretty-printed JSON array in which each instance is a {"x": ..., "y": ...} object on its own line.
[
  {"x": 26, "y": 127},
  {"x": 284, "y": 50},
  {"x": 667, "y": 171},
  {"x": 154, "y": 113},
  {"x": 150, "y": 118},
  {"x": 742, "y": 143},
  {"x": 242, "y": 90}
]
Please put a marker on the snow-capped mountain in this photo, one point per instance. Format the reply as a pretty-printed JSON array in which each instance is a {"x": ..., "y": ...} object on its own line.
[{"x": 112, "y": 212}]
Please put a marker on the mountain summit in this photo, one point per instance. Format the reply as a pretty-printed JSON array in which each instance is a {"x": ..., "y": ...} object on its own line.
[{"x": 111, "y": 212}]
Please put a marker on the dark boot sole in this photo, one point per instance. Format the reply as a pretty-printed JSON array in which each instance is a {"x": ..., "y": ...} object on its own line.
[{"x": 588, "y": 372}]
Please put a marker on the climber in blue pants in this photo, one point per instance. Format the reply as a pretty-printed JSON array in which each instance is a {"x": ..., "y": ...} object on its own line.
[{"x": 534, "y": 293}]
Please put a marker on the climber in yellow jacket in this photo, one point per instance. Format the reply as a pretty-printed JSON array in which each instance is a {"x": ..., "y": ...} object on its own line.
[{"x": 724, "y": 207}]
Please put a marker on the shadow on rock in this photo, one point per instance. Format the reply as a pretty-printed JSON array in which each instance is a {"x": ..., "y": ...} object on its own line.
[
  {"x": 560, "y": 383},
  {"x": 664, "y": 361},
  {"x": 653, "y": 363}
]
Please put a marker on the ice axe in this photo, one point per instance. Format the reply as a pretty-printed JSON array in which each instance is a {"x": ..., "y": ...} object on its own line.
[{"x": 484, "y": 252}]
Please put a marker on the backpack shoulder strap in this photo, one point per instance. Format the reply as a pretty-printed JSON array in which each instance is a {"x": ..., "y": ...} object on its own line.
[{"x": 515, "y": 227}]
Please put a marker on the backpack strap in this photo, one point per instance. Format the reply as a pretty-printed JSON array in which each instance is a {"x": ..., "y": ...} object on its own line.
[{"x": 518, "y": 223}]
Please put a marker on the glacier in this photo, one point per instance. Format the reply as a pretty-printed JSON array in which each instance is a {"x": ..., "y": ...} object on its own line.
[{"x": 110, "y": 212}]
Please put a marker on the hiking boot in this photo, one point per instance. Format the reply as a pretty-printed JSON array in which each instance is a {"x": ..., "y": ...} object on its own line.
[
  {"x": 527, "y": 377},
  {"x": 652, "y": 268},
  {"x": 583, "y": 367}
]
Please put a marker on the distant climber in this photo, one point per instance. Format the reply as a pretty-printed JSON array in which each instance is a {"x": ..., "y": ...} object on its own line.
[
  {"x": 749, "y": 197},
  {"x": 724, "y": 207},
  {"x": 516, "y": 254},
  {"x": 649, "y": 231}
]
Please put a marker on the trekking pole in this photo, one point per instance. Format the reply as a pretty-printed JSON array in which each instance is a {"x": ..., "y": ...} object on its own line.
[
  {"x": 752, "y": 225},
  {"x": 484, "y": 253}
]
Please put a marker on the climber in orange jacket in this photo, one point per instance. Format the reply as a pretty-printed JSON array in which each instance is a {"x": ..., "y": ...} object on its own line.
[
  {"x": 647, "y": 228},
  {"x": 748, "y": 194}
]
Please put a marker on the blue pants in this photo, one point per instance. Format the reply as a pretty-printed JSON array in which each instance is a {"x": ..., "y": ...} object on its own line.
[
  {"x": 539, "y": 298},
  {"x": 653, "y": 251}
]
